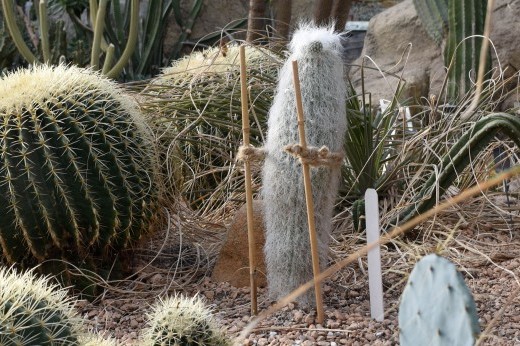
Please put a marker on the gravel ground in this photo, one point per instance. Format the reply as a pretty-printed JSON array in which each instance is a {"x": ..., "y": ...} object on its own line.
[{"x": 492, "y": 281}]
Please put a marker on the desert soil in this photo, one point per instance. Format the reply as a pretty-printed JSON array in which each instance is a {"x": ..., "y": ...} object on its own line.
[{"x": 488, "y": 259}]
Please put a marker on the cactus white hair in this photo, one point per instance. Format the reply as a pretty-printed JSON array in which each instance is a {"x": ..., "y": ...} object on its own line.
[{"x": 287, "y": 249}]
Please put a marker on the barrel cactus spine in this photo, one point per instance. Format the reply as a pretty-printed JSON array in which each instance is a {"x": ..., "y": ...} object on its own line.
[
  {"x": 34, "y": 311},
  {"x": 436, "y": 306},
  {"x": 94, "y": 339},
  {"x": 178, "y": 320},
  {"x": 77, "y": 166},
  {"x": 287, "y": 248}
]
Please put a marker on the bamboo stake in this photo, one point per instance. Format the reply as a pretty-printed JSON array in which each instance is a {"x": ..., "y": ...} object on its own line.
[
  {"x": 308, "y": 195},
  {"x": 249, "y": 190}
]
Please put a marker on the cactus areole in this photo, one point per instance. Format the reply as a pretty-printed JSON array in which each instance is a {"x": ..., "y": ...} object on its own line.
[
  {"x": 437, "y": 307},
  {"x": 323, "y": 88},
  {"x": 76, "y": 166}
]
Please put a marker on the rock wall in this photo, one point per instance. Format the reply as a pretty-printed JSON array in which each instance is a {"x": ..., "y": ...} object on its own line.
[{"x": 397, "y": 43}]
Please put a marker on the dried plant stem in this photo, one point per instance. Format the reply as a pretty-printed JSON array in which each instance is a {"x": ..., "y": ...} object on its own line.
[
  {"x": 482, "y": 62},
  {"x": 249, "y": 189},
  {"x": 308, "y": 196},
  {"x": 475, "y": 190}
]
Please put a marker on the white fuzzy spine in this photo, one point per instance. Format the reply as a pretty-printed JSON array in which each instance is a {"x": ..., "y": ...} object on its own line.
[{"x": 287, "y": 248}]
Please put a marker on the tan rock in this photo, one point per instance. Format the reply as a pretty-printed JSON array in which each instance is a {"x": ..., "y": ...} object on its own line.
[
  {"x": 233, "y": 261},
  {"x": 390, "y": 36},
  {"x": 397, "y": 30}
]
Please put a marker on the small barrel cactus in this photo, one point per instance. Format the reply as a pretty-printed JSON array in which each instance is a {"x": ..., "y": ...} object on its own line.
[
  {"x": 77, "y": 166},
  {"x": 287, "y": 248},
  {"x": 178, "y": 320},
  {"x": 437, "y": 307},
  {"x": 33, "y": 311}
]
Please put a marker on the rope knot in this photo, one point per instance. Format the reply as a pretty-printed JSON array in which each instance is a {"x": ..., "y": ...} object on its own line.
[
  {"x": 248, "y": 153},
  {"x": 315, "y": 156}
]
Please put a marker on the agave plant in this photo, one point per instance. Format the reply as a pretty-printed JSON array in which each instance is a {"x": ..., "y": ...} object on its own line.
[
  {"x": 462, "y": 153},
  {"x": 400, "y": 156}
]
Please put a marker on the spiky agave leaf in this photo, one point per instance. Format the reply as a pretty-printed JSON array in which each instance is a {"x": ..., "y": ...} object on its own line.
[{"x": 34, "y": 311}]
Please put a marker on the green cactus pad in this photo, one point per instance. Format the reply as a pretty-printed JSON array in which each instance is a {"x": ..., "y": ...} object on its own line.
[
  {"x": 437, "y": 307},
  {"x": 33, "y": 311},
  {"x": 77, "y": 167},
  {"x": 178, "y": 320}
]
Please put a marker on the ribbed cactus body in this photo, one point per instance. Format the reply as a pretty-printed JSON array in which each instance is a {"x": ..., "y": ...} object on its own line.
[
  {"x": 76, "y": 166},
  {"x": 287, "y": 248},
  {"x": 434, "y": 17},
  {"x": 437, "y": 307},
  {"x": 194, "y": 105},
  {"x": 179, "y": 320},
  {"x": 35, "y": 312}
]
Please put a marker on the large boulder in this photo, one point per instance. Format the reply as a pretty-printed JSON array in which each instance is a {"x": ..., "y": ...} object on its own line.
[
  {"x": 397, "y": 43},
  {"x": 233, "y": 261}
]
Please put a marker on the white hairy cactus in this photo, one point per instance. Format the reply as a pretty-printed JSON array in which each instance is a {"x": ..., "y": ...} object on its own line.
[{"x": 287, "y": 248}]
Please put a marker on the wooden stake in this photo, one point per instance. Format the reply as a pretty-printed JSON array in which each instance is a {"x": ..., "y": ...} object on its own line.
[
  {"x": 308, "y": 195},
  {"x": 247, "y": 178}
]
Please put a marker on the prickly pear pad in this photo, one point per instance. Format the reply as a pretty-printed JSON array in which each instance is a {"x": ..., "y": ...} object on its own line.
[{"x": 437, "y": 307}]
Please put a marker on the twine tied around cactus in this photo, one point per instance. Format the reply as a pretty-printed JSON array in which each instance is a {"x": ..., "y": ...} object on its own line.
[
  {"x": 248, "y": 153},
  {"x": 314, "y": 156}
]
